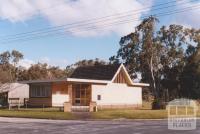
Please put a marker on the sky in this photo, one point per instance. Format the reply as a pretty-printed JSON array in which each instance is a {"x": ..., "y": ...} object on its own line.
[{"x": 62, "y": 32}]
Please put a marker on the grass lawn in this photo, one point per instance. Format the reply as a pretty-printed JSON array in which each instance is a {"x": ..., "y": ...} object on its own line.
[
  {"x": 37, "y": 113},
  {"x": 55, "y": 113},
  {"x": 130, "y": 114},
  {"x": 144, "y": 113},
  {"x": 103, "y": 114}
]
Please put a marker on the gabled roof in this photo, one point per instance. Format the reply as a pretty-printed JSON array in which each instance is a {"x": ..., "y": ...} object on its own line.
[
  {"x": 127, "y": 76},
  {"x": 102, "y": 74},
  {"x": 97, "y": 72}
]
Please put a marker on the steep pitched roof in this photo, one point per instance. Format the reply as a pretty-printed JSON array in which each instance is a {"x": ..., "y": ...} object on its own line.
[
  {"x": 102, "y": 74},
  {"x": 97, "y": 72}
]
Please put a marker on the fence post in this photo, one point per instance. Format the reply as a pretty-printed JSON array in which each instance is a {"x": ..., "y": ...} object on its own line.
[
  {"x": 9, "y": 105},
  {"x": 18, "y": 104}
]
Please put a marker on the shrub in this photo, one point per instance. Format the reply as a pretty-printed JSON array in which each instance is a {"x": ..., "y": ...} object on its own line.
[{"x": 158, "y": 104}]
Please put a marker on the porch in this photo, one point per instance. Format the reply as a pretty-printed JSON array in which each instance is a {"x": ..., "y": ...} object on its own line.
[
  {"x": 80, "y": 98},
  {"x": 81, "y": 94}
]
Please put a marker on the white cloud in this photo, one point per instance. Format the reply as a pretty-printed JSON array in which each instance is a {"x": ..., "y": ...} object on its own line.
[
  {"x": 44, "y": 60},
  {"x": 62, "y": 63},
  {"x": 26, "y": 63},
  {"x": 16, "y": 10},
  {"x": 189, "y": 18},
  {"x": 139, "y": 77},
  {"x": 60, "y": 12}
]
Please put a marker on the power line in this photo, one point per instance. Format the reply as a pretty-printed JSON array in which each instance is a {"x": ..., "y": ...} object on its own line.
[
  {"x": 78, "y": 24},
  {"x": 61, "y": 26},
  {"x": 148, "y": 7},
  {"x": 111, "y": 24},
  {"x": 121, "y": 22}
]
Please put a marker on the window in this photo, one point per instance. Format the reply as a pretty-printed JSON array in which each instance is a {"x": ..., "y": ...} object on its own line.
[
  {"x": 40, "y": 90},
  {"x": 98, "y": 97},
  {"x": 77, "y": 101}
]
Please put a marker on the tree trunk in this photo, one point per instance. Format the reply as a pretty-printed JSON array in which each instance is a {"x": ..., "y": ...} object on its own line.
[
  {"x": 153, "y": 78},
  {"x": 10, "y": 72}
]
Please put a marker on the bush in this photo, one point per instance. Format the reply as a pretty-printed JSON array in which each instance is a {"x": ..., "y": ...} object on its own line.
[
  {"x": 147, "y": 94},
  {"x": 158, "y": 104},
  {"x": 3, "y": 102}
]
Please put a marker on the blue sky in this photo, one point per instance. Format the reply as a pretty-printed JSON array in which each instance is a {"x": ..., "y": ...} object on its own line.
[{"x": 28, "y": 15}]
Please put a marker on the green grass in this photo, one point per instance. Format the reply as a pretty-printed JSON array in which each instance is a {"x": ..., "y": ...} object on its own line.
[
  {"x": 55, "y": 113},
  {"x": 130, "y": 114},
  {"x": 144, "y": 113},
  {"x": 49, "y": 109},
  {"x": 37, "y": 114},
  {"x": 103, "y": 114}
]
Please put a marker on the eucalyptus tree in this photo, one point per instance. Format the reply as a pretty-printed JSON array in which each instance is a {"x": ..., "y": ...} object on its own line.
[
  {"x": 190, "y": 77},
  {"x": 16, "y": 56},
  {"x": 8, "y": 62},
  {"x": 159, "y": 55},
  {"x": 140, "y": 51}
]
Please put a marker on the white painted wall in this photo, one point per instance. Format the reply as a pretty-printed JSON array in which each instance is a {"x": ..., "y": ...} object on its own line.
[
  {"x": 19, "y": 91},
  {"x": 117, "y": 94},
  {"x": 16, "y": 90},
  {"x": 59, "y": 99}
]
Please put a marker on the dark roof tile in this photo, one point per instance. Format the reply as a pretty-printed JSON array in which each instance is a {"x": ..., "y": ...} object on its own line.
[{"x": 97, "y": 72}]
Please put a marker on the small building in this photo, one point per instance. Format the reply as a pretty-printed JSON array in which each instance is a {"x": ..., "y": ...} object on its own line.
[
  {"x": 105, "y": 86},
  {"x": 9, "y": 91}
]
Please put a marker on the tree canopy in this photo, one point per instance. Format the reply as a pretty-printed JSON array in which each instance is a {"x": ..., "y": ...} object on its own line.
[
  {"x": 163, "y": 56},
  {"x": 10, "y": 71}
]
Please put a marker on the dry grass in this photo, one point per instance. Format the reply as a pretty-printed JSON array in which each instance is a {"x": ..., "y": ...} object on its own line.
[
  {"x": 144, "y": 113},
  {"x": 130, "y": 114},
  {"x": 39, "y": 114},
  {"x": 55, "y": 113},
  {"x": 146, "y": 105}
]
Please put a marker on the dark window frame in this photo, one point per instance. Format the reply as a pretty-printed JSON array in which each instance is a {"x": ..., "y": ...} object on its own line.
[
  {"x": 98, "y": 97},
  {"x": 40, "y": 91}
]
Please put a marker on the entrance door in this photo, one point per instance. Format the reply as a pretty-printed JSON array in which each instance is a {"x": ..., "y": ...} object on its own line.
[
  {"x": 81, "y": 94},
  {"x": 77, "y": 94}
]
